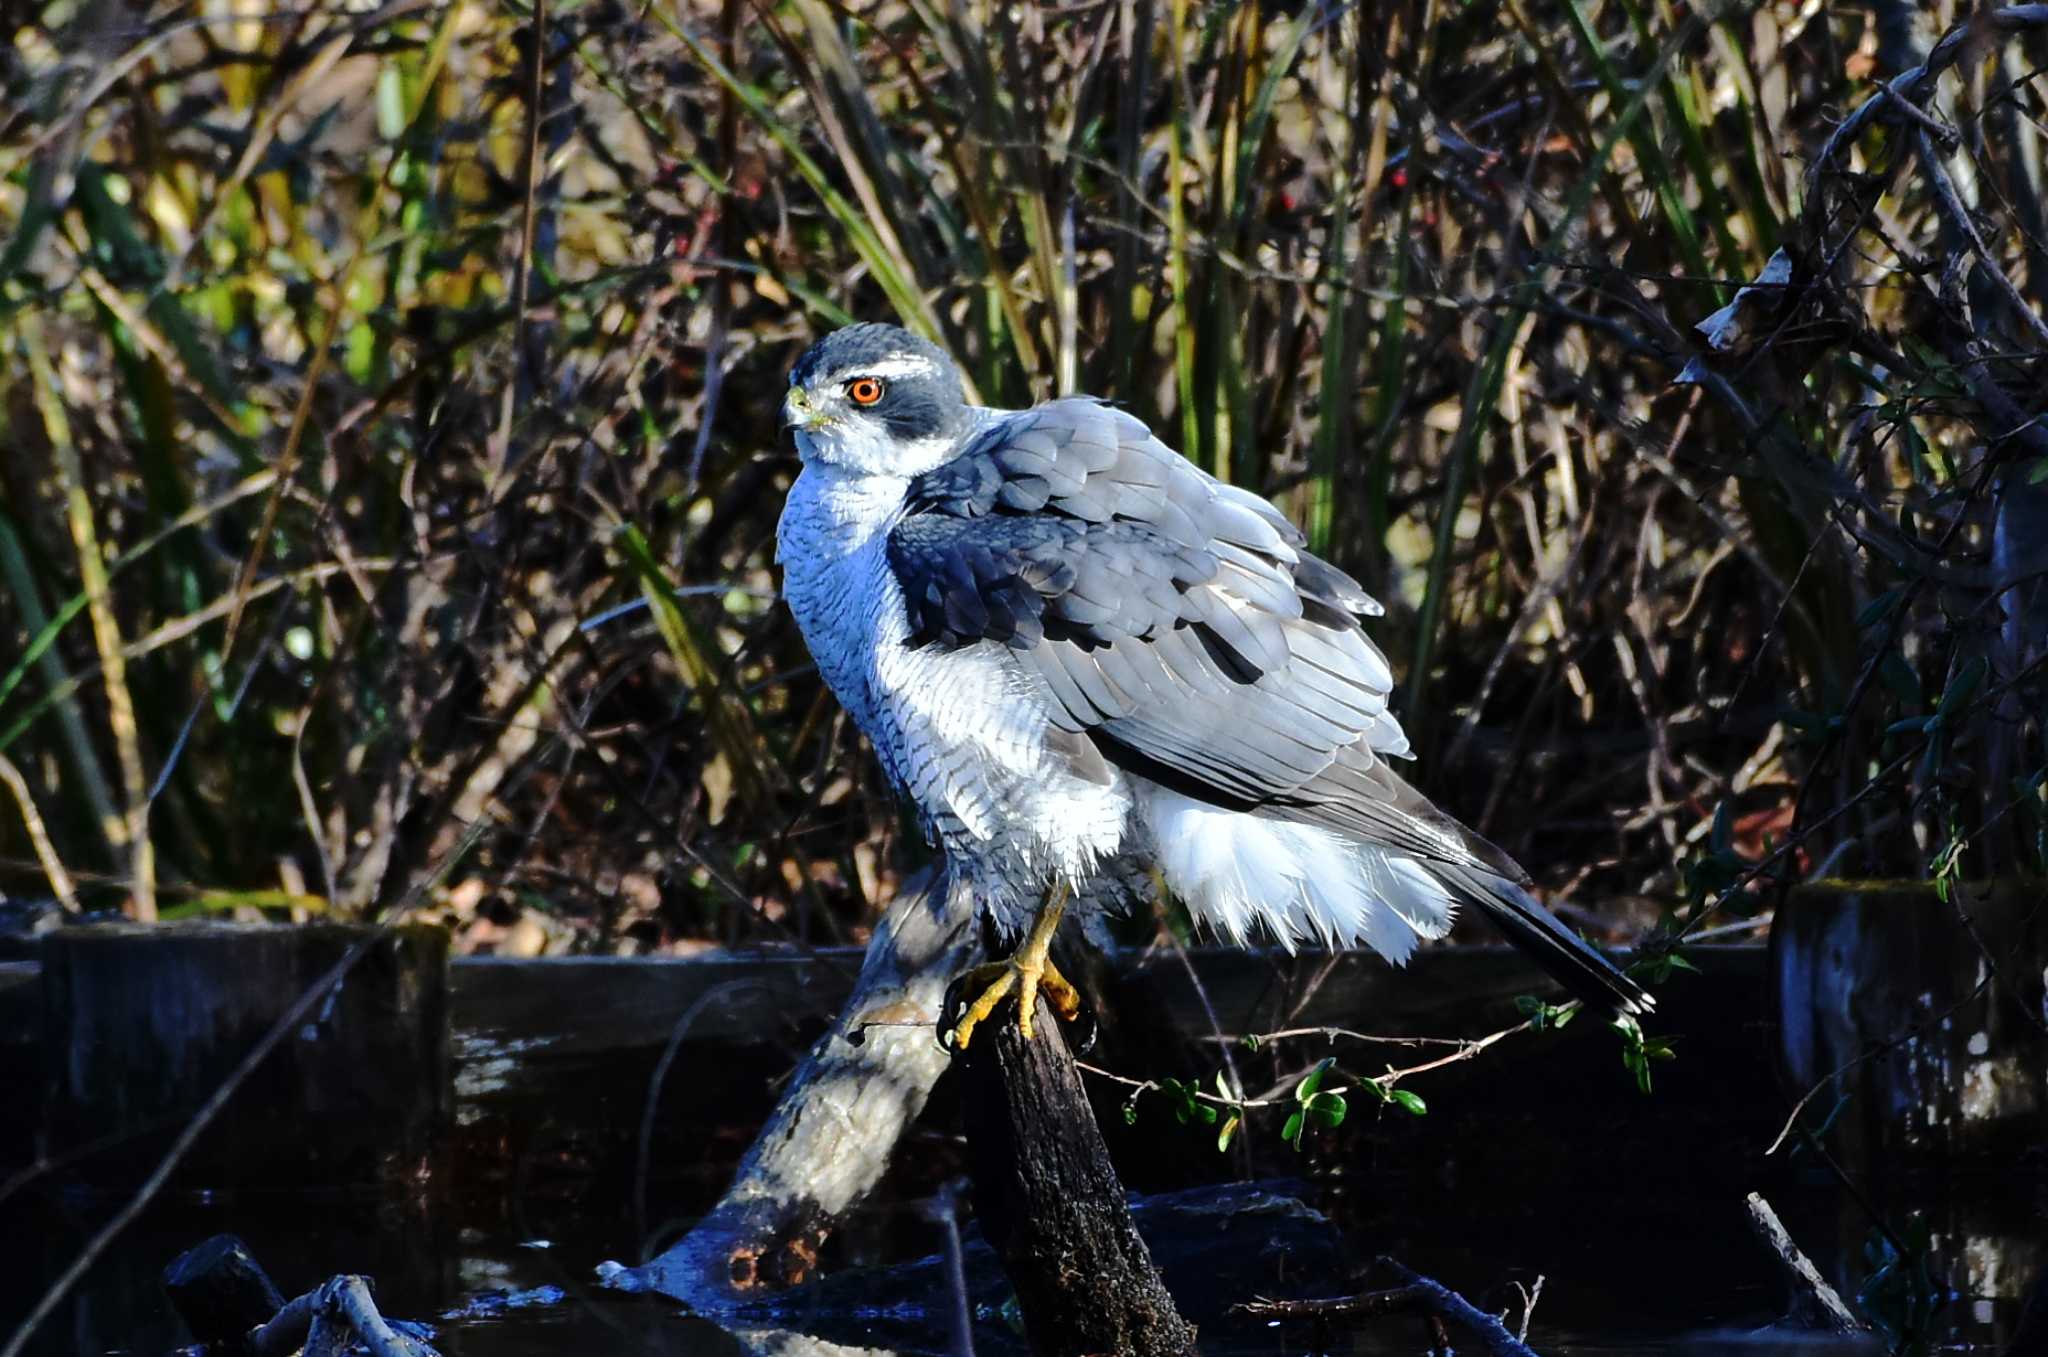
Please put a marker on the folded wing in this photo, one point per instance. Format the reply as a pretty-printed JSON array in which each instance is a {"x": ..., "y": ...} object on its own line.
[
  {"x": 1182, "y": 626},
  {"x": 1179, "y": 621}
]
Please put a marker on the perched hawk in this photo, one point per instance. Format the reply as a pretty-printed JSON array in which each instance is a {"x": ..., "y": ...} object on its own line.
[{"x": 1069, "y": 645}]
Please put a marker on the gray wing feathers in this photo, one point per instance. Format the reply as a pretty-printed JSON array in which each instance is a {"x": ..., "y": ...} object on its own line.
[
  {"x": 1178, "y": 619},
  {"x": 1366, "y": 797},
  {"x": 1569, "y": 958}
]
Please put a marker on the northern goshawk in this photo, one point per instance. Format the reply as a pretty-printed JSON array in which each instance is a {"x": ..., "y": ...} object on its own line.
[{"x": 1069, "y": 644}]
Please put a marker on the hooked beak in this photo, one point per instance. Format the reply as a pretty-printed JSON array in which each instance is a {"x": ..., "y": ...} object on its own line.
[{"x": 796, "y": 410}]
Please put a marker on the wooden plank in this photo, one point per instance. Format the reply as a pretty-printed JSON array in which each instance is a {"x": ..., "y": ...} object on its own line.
[
  {"x": 554, "y": 1060},
  {"x": 150, "y": 1020},
  {"x": 575, "y": 1008},
  {"x": 559, "y": 1063},
  {"x": 1444, "y": 991},
  {"x": 570, "y": 1008}
]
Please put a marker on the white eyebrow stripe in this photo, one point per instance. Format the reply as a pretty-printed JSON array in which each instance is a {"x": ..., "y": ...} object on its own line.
[{"x": 908, "y": 365}]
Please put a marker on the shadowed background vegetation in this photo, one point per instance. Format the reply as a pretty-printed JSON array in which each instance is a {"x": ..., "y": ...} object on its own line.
[{"x": 391, "y": 456}]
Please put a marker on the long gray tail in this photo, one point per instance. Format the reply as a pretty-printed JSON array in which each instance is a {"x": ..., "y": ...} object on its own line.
[{"x": 1569, "y": 959}]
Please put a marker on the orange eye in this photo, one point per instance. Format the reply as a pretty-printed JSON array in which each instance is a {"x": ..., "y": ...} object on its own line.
[{"x": 864, "y": 390}]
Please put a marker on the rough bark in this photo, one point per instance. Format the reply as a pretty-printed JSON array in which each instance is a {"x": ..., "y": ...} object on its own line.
[
  {"x": 829, "y": 1138},
  {"x": 1048, "y": 1199}
]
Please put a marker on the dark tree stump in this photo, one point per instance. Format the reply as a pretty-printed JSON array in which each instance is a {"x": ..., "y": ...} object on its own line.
[
  {"x": 1049, "y": 1201},
  {"x": 221, "y": 1291}
]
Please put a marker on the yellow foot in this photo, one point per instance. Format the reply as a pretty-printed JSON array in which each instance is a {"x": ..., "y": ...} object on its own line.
[
  {"x": 992, "y": 983},
  {"x": 1027, "y": 973}
]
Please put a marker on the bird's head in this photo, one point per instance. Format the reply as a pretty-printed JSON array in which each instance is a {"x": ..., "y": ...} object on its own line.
[{"x": 876, "y": 400}]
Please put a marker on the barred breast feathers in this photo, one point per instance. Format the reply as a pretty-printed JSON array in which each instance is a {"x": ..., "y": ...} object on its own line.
[{"x": 964, "y": 732}]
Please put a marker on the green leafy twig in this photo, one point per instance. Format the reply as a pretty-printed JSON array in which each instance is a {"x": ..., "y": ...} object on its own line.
[{"x": 1306, "y": 1095}]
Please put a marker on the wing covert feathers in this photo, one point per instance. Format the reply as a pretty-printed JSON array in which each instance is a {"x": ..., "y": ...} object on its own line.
[{"x": 1178, "y": 616}]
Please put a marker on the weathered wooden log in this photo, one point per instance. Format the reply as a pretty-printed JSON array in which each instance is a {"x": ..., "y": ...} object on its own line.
[
  {"x": 144, "y": 1023},
  {"x": 1048, "y": 1199},
  {"x": 230, "y": 1305},
  {"x": 338, "y": 1316},
  {"x": 221, "y": 1291},
  {"x": 829, "y": 1139}
]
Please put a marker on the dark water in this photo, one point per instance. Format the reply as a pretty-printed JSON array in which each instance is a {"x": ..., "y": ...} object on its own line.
[
  {"x": 1544, "y": 1162},
  {"x": 1625, "y": 1271}
]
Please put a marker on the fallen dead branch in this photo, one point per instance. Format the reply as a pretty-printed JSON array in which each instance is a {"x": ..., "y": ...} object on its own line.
[
  {"x": 1815, "y": 1304},
  {"x": 1416, "y": 1295},
  {"x": 325, "y": 1319}
]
